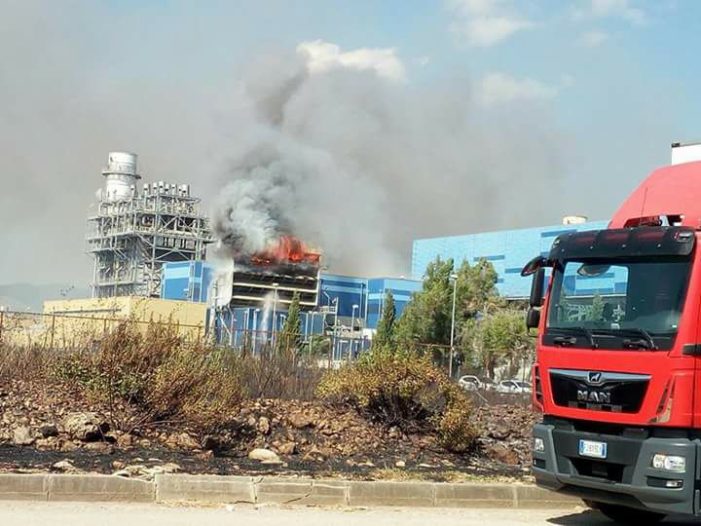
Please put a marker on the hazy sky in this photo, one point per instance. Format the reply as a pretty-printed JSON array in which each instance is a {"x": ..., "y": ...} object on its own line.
[{"x": 605, "y": 85}]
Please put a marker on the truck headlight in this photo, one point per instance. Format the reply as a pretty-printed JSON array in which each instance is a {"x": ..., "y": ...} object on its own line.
[
  {"x": 673, "y": 463},
  {"x": 538, "y": 445}
]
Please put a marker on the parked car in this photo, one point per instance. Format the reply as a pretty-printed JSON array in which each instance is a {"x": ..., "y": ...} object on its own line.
[
  {"x": 488, "y": 384},
  {"x": 473, "y": 383},
  {"x": 513, "y": 387},
  {"x": 470, "y": 383}
]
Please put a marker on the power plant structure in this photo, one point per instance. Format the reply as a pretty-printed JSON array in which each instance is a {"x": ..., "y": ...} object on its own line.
[
  {"x": 134, "y": 232},
  {"x": 286, "y": 269}
]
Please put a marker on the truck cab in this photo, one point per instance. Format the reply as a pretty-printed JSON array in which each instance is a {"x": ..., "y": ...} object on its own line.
[{"x": 617, "y": 376}]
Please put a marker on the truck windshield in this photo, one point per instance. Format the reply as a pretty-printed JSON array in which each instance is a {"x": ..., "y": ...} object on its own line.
[{"x": 632, "y": 303}]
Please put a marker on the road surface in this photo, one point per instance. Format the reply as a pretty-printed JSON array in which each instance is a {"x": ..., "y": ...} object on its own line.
[{"x": 77, "y": 514}]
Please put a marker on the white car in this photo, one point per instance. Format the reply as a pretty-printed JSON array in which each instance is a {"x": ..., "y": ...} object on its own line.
[
  {"x": 473, "y": 383},
  {"x": 470, "y": 383},
  {"x": 513, "y": 387}
]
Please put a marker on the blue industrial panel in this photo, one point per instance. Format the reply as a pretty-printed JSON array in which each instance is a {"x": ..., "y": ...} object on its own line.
[
  {"x": 507, "y": 250},
  {"x": 344, "y": 291},
  {"x": 555, "y": 233},
  {"x": 402, "y": 290},
  {"x": 174, "y": 289},
  {"x": 186, "y": 280}
]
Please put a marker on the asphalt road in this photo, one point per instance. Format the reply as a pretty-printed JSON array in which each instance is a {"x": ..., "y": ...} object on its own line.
[
  {"x": 76, "y": 514},
  {"x": 79, "y": 514}
]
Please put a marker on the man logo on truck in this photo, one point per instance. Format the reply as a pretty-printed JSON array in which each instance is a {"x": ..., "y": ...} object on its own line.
[{"x": 596, "y": 397}]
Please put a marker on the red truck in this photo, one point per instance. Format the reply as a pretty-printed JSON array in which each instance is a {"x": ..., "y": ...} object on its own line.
[{"x": 617, "y": 375}]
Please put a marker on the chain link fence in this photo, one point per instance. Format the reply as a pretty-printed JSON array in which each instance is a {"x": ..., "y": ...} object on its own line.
[{"x": 73, "y": 332}]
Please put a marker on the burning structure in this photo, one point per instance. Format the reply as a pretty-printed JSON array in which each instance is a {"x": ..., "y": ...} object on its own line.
[
  {"x": 287, "y": 267},
  {"x": 133, "y": 233}
]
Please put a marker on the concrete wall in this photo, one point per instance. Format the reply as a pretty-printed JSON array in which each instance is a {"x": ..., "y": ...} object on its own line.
[{"x": 65, "y": 321}]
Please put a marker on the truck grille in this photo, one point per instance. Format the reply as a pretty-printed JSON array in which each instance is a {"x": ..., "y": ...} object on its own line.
[{"x": 599, "y": 391}]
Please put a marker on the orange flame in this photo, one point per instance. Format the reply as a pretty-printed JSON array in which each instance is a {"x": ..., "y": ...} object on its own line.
[{"x": 288, "y": 249}]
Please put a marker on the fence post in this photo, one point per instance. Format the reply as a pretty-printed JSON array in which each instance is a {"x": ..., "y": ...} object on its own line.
[
  {"x": 332, "y": 349},
  {"x": 53, "y": 329},
  {"x": 2, "y": 323}
]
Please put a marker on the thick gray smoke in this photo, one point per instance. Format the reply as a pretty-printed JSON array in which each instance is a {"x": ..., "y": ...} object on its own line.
[{"x": 342, "y": 151}]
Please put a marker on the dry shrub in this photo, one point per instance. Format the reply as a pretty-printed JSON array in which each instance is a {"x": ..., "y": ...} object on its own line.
[
  {"x": 269, "y": 374},
  {"x": 195, "y": 386},
  {"x": 28, "y": 362},
  {"x": 154, "y": 376},
  {"x": 405, "y": 391}
]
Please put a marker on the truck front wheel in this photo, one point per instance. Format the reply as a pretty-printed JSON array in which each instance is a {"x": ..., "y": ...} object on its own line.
[{"x": 625, "y": 515}]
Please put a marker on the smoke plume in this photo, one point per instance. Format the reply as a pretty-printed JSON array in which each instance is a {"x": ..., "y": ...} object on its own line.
[{"x": 343, "y": 151}]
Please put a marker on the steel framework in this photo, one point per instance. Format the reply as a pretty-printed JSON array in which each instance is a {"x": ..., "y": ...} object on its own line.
[{"x": 131, "y": 238}]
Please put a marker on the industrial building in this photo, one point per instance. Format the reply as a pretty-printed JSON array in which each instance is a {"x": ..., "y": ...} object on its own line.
[
  {"x": 352, "y": 301},
  {"x": 349, "y": 309},
  {"x": 134, "y": 231},
  {"x": 508, "y": 251}
]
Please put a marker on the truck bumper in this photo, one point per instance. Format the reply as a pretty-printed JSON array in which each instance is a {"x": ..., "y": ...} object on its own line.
[{"x": 626, "y": 477}]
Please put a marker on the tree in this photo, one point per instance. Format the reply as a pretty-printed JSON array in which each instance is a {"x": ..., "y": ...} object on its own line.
[
  {"x": 501, "y": 339},
  {"x": 289, "y": 337},
  {"x": 427, "y": 318},
  {"x": 385, "y": 328}
]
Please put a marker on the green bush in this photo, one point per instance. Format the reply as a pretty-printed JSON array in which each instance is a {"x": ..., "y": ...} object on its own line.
[{"x": 405, "y": 391}]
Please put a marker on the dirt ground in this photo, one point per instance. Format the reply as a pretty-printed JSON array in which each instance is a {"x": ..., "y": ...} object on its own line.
[{"x": 41, "y": 429}]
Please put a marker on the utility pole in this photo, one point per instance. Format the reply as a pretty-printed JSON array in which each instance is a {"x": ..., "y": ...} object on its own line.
[
  {"x": 454, "y": 277},
  {"x": 272, "y": 327}
]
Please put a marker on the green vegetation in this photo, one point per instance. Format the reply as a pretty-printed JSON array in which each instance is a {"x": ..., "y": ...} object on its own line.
[
  {"x": 385, "y": 328},
  {"x": 399, "y": 389},
  {"x": 289, "y": 337},
  {"x": 488, "y": 333}
]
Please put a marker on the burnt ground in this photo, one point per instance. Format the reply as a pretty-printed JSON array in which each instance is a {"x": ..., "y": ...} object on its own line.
[
  {"x": 23, "y": 459},
  {"x": 308, "y": 439}
]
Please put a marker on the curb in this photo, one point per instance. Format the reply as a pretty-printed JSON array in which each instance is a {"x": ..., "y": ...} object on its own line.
[{"x": 213, "y": 489}]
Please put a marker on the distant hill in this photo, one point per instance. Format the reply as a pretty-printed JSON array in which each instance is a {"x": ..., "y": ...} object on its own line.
[{"x": 25, "y": 296}]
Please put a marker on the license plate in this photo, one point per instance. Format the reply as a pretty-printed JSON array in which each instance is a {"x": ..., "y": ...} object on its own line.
[{"x": 591, "y": 448}]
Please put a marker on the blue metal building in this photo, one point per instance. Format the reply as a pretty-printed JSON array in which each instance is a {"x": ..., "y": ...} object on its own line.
[
  {"x": 186, "y": 280},
  {"x": 401, "y": 289},
  {"x": 367, "y": 293},
  {"x": 344, "y": 291},
  {"x": 509, "y": 251}
]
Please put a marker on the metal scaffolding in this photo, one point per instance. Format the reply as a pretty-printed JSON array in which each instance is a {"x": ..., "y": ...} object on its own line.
[{"x": 134, "y": 233}]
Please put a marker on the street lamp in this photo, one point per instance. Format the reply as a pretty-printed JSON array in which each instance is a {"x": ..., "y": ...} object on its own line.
[
  {"x": 273, "y": 326},
  {"x": 352, "y": 342},
  {"x": 454, "y": 277},
  {"x": 255, "y": 330}
]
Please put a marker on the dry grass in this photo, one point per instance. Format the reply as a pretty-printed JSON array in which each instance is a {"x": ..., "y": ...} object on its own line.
[
  {"x": 141, "y": 376},
  {"x": 442, "y": 475}
]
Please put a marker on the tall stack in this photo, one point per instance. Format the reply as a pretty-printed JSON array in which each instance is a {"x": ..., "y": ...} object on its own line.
[{"x": 135, "y": 231}]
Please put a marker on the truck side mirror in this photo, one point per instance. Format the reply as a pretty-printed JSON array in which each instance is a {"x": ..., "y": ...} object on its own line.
[
  {"x": 534, "y": 265},
  {"x": 532, "y": 318},
  {"x": 536, "y": 299}
]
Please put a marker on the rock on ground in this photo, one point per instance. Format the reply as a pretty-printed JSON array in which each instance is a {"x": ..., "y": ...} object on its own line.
[
  {"x": 263, "y": 455},
  {"x": 85, "y": 426},
  {"x": 22, "y": 436}
]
